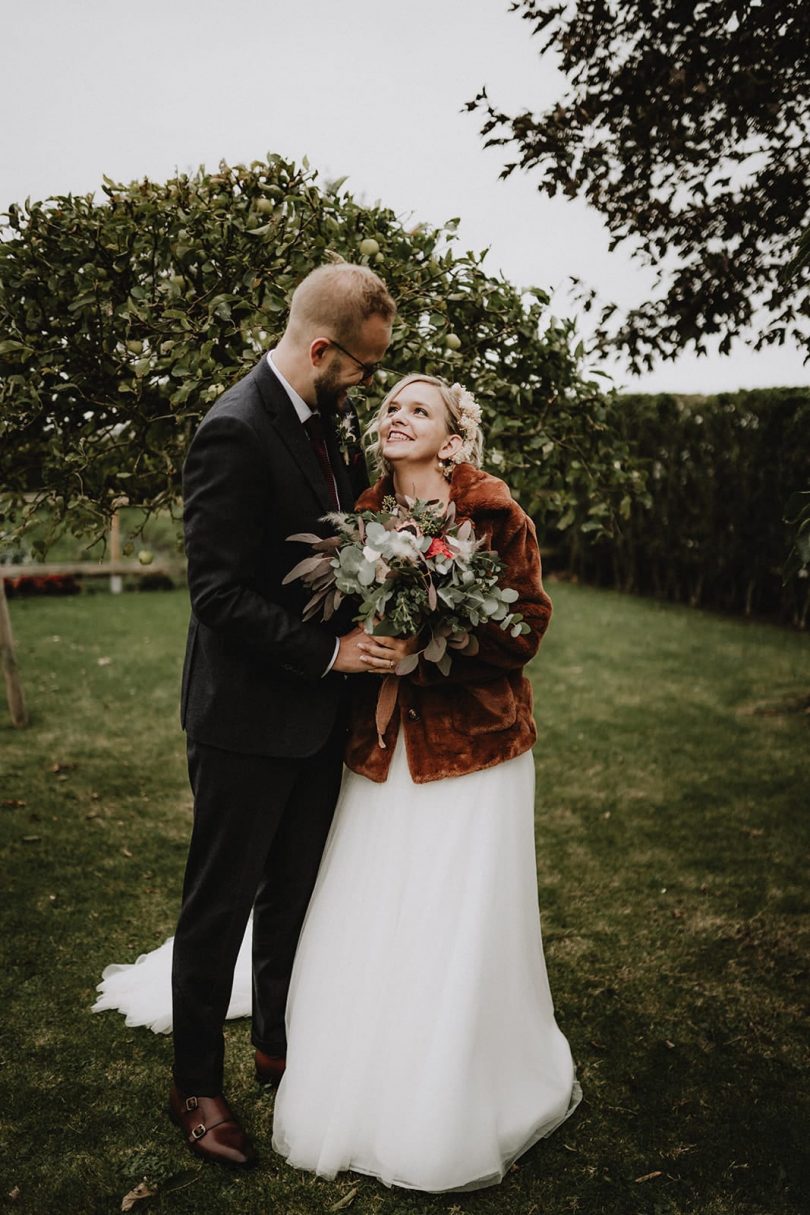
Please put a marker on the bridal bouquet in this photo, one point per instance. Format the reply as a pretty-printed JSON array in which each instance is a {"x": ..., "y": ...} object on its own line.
[{"x": 411, "y": 569}]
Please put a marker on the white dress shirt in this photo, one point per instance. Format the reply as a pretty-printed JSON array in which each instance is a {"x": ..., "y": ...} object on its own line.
[{"x": 301, "y": 408}]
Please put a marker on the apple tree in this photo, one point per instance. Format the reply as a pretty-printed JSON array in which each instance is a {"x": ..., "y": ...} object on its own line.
[{"x": 123, "y": 316}]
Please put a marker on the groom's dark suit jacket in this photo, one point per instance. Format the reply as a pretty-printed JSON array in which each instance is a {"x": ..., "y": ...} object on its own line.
[{"x": 253, "y": 674}]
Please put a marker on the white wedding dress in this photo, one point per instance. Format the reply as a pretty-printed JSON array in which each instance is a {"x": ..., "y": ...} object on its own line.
[{"x": 422, "y": 1045}]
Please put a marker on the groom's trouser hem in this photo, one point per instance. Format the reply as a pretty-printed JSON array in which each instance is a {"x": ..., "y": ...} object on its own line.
[
  {"x": 277, "y": 1048},
  {"x": 260, "y": 824}
]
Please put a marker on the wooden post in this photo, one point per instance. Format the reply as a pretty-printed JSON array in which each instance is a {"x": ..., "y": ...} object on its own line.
[
  {"x": 116, "y": 582},
  {"x": 14, "y": 692}
]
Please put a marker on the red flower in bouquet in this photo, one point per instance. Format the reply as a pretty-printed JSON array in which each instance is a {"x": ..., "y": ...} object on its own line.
[{"x": 439, "y": 548}]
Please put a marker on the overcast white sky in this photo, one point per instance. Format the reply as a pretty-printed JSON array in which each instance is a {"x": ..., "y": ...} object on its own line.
[{"x": 366, "y": 88}]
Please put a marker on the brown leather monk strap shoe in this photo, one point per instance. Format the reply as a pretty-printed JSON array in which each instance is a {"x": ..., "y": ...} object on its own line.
[
  {"x": 210, "y": 1129},
  {"x": 269, "y": 1068}
]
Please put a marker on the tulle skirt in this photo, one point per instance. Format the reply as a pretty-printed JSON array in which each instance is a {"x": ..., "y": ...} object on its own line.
[{"x": 422, "y": 1045}]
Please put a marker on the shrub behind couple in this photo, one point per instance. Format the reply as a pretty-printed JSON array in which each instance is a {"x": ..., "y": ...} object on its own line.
[{"x": 419, "y": 1043}]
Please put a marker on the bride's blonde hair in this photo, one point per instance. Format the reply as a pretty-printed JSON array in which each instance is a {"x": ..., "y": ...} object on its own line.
[{"x": 462, "y": 415}]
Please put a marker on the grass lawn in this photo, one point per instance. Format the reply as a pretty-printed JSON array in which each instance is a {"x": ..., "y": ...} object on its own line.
[{"x": 672, "y": 841}]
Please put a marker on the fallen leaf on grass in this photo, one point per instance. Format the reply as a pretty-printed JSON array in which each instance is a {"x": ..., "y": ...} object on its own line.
[
  {"x": 141, "y": 1191},
  {"x": 126, "y": 852},
  {"x": 31, "y": 839},
  {"x": 650, "y": 1176},
  {"x": 58, "y": 767},
  {"x": 104, "y": 662},
  {"x": 14, "y": 1194},
  {"x": 13, "y": 803},
  {"x": 345, "y": 1201}
]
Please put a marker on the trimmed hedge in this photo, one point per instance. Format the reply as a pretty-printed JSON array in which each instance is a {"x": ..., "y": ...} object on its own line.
[{"x": 711, "y": 531}]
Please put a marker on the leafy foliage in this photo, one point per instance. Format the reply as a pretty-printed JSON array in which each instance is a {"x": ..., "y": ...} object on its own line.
[
  {"x": 122, "y": 319},
  {"x": 797, "y": 513},
  {"x": 801, "y": 257},
  {"x": 685, "y": 125},
  {"x": 724, "y": 477}
]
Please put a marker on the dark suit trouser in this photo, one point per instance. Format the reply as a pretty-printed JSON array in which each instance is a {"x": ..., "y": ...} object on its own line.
[{"x": 260, "y": 825}]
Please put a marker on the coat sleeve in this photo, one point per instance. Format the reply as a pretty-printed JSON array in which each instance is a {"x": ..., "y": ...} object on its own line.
[
  {"x": 515, "y": 541},
  {"x": 226, "y": 502}
]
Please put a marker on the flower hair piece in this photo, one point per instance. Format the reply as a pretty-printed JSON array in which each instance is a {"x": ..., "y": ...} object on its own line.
[{"x": 468, "y": 423}]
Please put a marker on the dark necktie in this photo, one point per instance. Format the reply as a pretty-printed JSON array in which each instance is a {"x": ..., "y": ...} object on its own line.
[{"x": 314, "y": 428}]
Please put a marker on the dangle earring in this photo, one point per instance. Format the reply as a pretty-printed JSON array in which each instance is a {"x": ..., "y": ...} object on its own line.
[{"x": 446, "y": 468}]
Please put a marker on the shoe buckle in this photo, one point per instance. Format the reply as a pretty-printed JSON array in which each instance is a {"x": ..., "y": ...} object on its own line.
[
  {"x": 191, "y": 1104},
  {"x": 198, "y": 1131}
]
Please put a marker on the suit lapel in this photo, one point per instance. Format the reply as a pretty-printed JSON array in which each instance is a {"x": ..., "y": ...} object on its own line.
[
  {"x": 344, "y": 486},
  {"x": 292, "y": 434}
]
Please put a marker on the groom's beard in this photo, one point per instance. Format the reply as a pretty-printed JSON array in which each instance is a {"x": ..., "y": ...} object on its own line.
[{"x": 330, "y": 393}]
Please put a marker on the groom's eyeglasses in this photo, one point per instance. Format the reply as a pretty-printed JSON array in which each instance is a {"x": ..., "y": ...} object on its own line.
[{"x": 369, "y": 369}]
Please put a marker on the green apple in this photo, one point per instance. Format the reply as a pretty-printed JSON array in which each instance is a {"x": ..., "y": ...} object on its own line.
[
  {"x": 452, "y": 341},
  {"x": 146, "y": 556},
  {"x": 265, "y": 206},
  {"x": 369, "y": 246}
]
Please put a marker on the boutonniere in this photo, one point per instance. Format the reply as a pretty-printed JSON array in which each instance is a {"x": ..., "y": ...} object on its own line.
[{"x": 348, "y": 436}]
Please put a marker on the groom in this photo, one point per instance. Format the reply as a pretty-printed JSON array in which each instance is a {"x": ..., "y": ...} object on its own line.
[{"x": 263, "y": 693}]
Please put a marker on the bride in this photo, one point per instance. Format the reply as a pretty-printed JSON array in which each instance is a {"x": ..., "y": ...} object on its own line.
[{"x": 422, "y": 1046}]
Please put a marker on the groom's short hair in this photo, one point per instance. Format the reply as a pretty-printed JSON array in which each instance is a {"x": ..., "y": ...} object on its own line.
[{"x": 337, "y": 299}]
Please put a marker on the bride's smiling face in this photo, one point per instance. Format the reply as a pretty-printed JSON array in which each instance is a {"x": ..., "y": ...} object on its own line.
[{"x": 414, "y": 429}]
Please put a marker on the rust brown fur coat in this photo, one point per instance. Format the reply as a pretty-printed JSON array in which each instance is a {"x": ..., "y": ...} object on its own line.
[{"x": 481, "y": 713}]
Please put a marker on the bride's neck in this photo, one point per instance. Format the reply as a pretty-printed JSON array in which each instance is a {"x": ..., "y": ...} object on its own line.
[{"x": 427, "y": 484}]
